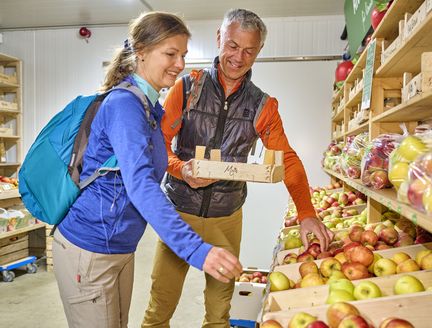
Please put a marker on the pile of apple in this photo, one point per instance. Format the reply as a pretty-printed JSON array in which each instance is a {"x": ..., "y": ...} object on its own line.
[
  {"x": 374, "y": 165},
  {"x": 331, "y": 157},
  {"x": 11, "y": 181},
  {"x": 323, "y": 202},
  {"x": 253, "y": 277},
  {"x": 339, "y": 315},
  {"x": 352, "y": 155}
]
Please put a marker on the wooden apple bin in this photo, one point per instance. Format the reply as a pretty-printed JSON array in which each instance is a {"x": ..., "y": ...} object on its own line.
[{"x": 271, "y": 171}]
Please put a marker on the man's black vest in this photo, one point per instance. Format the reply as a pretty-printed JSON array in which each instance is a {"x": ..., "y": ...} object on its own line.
[{"x": 217, "y": 123}]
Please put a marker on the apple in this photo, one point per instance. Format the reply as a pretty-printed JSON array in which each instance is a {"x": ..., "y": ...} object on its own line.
[
  {"x": 408, "y": 284},
  {"x": 356, "y": 233},
  {"x": 366, "y": 289},
  {"x": 369, "y": 237},
  {"x": 378, "y": 228},
  {"x": 398, "y": 173},
  {"x": 324, "y": 255},
  {"x": 388, "y": 235},
  {"x": 290, "y": 258},
  {"x": 337, "y": 311},
  {"x": 407, "y": 266},
  {"x": 292, "y": 242},
  {"x": 278, "y": 281},
  {"x": 312, "y": 279},
  {"x": 339, "y": 295},
  {"x": 264, "y": 280},
  {"x": 270, "y": 324},
  {"x": 419, "y": 256},
  {"x": 336, "y": 275},
  {"x": 354, "y": 321},
  {"x": 404, "y": 240},
  {"x": 354, "y": 271},
  {"x": 426, "y": 262},
  {"x": 416, "y": 189},
  {"x": 411, "y": 147},
  {"x": 400, "y": 257},
  {"x": 314, "y": 249},
  {"x": 305, "y": 257},
  {"x": 342, "y": 284},
  {"x": 329, "y": 265},
  {"x": 301, "y": 320},
  {"x": 384, "y": 267},
  {"x": 348, "y": 248},
  {"x": 406, "y": 226},
  {"x": 376, "y": 258},
  {"x": 341, "y": 257},
  {"x": 362, "y": 255},
  {"x": 379, "y": 179},
  {"x": 394, "y": 322},
  {"x": 317, "y": 324},
  {"x": 308, "y": 267}
]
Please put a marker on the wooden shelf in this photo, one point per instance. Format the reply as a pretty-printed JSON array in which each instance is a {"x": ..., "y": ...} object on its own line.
[
  {"x": 355, "y": 100},
  {"x": 388, "y": 198},
  {"x": 389, "y": 28},
  {"x": 338, "y": 116},
  {"x": 25, "y": 229},
  {"x": 4, "y": 84},
  {"x": 408, "y": 57},
  {"x": 10, "y": 112},
  {"x": 416, "y": 109},
  {"x": 5, "y": 136},
  {"x": 9, "y": 164},
  {"x": 361, "y": 128},
  {"x": 9, "y": 194},
  {"x": 357, "y": 70}
]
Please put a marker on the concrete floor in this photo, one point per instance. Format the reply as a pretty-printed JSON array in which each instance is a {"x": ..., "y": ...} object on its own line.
[{"x": 32, "y": 300}]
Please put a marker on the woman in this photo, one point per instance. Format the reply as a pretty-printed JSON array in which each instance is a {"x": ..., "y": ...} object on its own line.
[{"x": 94, "y": 245}]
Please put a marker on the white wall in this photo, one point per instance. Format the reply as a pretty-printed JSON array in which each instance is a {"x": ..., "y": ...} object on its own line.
[{"x": 58, "y": 65}]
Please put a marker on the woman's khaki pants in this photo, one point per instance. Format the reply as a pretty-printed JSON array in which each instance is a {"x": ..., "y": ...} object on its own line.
[
  {"x": 169, "y": 273},
  {"x": 95, "y": 288}
]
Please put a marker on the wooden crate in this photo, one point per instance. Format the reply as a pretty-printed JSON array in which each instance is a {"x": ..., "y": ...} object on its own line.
[
  {"x": 7, "y": 105},
  {"x": 292, "y": 270},
  {"x": 14, "y": 248},
  {"x": 412, "y": 307},
  {"x": 420, "y": 83},
  {"x": 7, "y": 78},
  {"x": 315, "y": 296},
  {"x": 413, "y": 21},
  {"x": 271, "y": 171}
]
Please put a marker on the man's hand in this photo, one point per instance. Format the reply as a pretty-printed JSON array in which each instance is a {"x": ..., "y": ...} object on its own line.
[
  {"x": 222, "y": 265},
  {"x": 190, "y": 180},
  {"x": 314, "y": 225}
]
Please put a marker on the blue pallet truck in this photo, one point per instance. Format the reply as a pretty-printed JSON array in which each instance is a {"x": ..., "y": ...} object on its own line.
[
  {"x": 242, "y": 323},
  {"x": 28, "y": 262}
]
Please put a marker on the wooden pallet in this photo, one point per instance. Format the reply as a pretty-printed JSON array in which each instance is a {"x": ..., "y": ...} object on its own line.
[{"x": 271, "y": 171}]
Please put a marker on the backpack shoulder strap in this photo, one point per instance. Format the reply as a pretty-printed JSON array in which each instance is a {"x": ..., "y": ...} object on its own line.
[
  {"x": 192, "y": 89},
  {"x": 142, "y": 97}
]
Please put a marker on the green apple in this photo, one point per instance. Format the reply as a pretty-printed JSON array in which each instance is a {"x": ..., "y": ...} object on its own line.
[
  {"x": 339, "y": 295},
  {"x": 367, "y": 289},
  {"x": 408, "y": 284},
  {"x": 419, "y": 256},
  {"x": 342, "y": 284},
  {"x": 292, "y": 242},
  {"x": 329, "y": 265},
  {"x": 400, "y": 257},
  {"x": 384, "y": 267},
  {"x": 398, "y": 173},
  {"x": 336, "y": 275},
  {"x": 301, "y": 320},
  {"x": 411, "y": 147},
  {"x": 278, "y": 281}
]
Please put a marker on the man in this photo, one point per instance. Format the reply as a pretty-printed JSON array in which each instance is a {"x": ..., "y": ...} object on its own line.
[{"x": 229, "y": 113}]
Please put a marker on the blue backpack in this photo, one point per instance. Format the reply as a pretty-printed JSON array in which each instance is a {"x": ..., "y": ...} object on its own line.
[{"x": 49, "y": 178}]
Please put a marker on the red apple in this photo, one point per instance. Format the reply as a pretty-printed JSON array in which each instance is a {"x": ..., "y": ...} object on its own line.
[
  {"x": 361, "y": 254},
  {"x": 353, "y": 321},
  {"x": 416, "y": 190},
  {"x": 388, "y": 235},
  {"x": 270, "y": 324},
  {"x": 348, "y": 248},
  {"x": 369, "y": 237},
  {"x": 337, "y": 311},
  {"x": 305, "y": 257},
  {"x": 356, "y": 233},
  {"x": 314, "y": 249},
  {"x": 394, "y": 322},
  {"x": 354, "y": 271},
  {"x": 379, "y": 179},
  {"x": 317, "y": 324}
]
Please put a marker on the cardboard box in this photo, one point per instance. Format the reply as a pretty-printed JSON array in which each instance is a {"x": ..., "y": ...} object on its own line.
[{"x": 247, "y": 299}]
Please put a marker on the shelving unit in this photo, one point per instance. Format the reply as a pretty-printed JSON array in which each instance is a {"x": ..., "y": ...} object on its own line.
[
  {"x": 29, "y": 240},
  {"x": 387, "y": 83}
]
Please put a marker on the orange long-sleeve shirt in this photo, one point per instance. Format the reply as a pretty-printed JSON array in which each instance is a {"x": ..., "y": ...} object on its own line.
[{"x": 270, "y": 129}]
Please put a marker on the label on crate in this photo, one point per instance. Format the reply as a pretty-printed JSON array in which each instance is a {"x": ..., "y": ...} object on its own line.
[{"x": 368, "y": 75}]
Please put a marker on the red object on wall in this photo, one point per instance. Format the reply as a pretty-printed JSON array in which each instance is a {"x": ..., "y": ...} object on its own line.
[
  {"x": 343, "y": 69},
  {"x": 85, "y": 33},
  {"x": 376, "y": 17}
]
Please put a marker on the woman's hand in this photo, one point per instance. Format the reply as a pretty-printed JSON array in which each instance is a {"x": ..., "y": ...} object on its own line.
[{"x": 222, "y": 265}]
